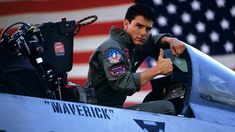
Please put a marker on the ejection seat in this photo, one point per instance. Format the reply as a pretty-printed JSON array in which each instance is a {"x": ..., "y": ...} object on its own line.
[{"x": 45, "y": 50}]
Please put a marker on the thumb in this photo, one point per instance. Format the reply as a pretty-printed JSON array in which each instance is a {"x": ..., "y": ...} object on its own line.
[{"x": 160, "y": 54}]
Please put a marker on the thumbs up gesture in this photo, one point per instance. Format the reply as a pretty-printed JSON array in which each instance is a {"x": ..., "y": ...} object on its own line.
[{"x": 164, "y": 65}]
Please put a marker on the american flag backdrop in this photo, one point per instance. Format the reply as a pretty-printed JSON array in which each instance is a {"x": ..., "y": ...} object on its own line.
[{"x": 207, "y": 25}]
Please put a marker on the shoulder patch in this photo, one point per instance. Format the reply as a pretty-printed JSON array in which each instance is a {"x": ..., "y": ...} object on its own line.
[
  {"x": 114, "y": 56},
  {"x": 126, "y": 51}
]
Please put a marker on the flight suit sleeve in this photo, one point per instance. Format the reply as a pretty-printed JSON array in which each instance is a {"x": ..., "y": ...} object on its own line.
[
  {"x": 150, "y": 47},
  {"x": 118, "y": 71}
]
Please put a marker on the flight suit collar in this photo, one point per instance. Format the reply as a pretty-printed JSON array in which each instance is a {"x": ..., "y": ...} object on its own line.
[{"x": 121, "y": 35}]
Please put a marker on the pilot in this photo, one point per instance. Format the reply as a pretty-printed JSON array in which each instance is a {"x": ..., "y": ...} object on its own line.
[{"x": 112, "y": 70}]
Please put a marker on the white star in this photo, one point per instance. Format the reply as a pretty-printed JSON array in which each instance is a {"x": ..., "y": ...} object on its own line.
[
  {"x": 220, "y": 3},
  {"x": 157, "y": 2},
  {"x": 224, "y": 24},
  {"x": 209, "y": 15},
  {"x": 232, "y": 11},
  {"x": 205, "y": 48},
  {"x": 214, "y": 36},
  {"x": 177, "y": 30},
  {"x": 171, "y": 9},
  {"x": 228, "y": 46},
  {"x": 195, "y": 5},
  {"x": 200, "y": 27},
  {"x": 154, "y": 31},
  {"x": 191, "y": 38},
  {"x": 162, "y": 21},
  {"x": 114, "y": 55},
  {"x": 186, "y": 18}
]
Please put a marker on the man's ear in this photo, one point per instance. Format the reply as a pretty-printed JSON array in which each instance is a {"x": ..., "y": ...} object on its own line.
[{"x": 125, "y": 24}]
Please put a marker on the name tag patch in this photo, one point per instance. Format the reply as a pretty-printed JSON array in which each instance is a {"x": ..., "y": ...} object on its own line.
[{"x": 117, "y": 70}]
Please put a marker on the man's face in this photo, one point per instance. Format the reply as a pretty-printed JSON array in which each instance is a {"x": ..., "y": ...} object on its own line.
[{"x": 139, "y": 29}]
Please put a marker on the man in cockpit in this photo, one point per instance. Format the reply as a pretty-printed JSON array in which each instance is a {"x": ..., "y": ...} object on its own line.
[{"x": 112, "y": 65}]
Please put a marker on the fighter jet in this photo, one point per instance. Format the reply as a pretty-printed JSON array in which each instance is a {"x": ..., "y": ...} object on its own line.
[{"x": 201, "y": 89}]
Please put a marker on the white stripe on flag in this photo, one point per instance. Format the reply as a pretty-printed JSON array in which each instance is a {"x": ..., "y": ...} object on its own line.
[
  {"x": 137, "y": 97},
  {"x": 228, "y": 60},
  {"x": 88, "y": 43}
]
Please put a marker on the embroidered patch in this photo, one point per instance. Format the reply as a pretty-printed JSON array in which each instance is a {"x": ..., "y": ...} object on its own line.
[
  {"x": 59, "y": 49},
  {"x": 117, "y": 71},
  {"x": 127, "y": 54},
  {"x": 114, "y": 56}
]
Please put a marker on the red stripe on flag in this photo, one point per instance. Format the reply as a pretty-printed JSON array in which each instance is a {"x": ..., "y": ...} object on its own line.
[
  {"x": 127, "y": 104},
  {"x": 81, "y": 57},
  {"x": 80, "y": 81},
  {"x": 146, "y": 87},
  {"x": 18, "y": 7}
]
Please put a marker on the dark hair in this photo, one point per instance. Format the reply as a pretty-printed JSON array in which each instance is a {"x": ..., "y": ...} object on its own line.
[{"x": 140, "y": 9}]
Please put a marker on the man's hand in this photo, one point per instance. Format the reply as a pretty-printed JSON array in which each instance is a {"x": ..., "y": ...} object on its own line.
[
  {"x": 164, "y": 65},
  {"x": 177, "y": 47}
]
